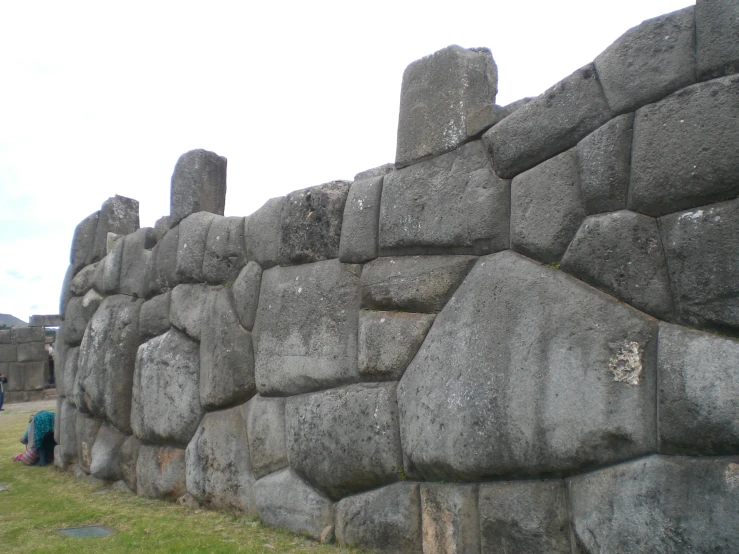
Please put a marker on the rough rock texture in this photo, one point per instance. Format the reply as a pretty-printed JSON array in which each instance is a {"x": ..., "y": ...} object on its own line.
[
  {"x": 225, "y": 250},
  {"x": 83, "y": 242},
  {"x": 414, "y": 283},
  {"x": 160, "y": 472},
  {"x": 35, "y": 374},
  {"x": 135, "y": 259},
  {"x": 703, "y": 257},
  {"x": 105, "y": 457},
  {"x": 549, "y": 124},
  {"x": 198, "y": 185},
  {"x": 108, "y": 271},
  {"x": 186, "y": 308},
  {"x": 161, "y": 226},
  {"x": 649, "y": 61},
  {"x": 527, "y": 371},
  {"x": 684, "y": 150},
  {"x": 285, "y": 500},
  {"x": 166, "y": 397},
  {"x": 161, "y": 272},
  {"x": 311, "y": 223},
  {"x": 218, "y": 466},
  {"x": 265, "y": 426},
  {"x": 66, "y": 292},
  {"x": 657, "y": 504},
  {"x": 66, "y": 371},
  {"x": 84, "y": 280},
  {"x": 85, "y": 430},
  {"x": 698, "y": 391},
  {"x": 452, "y": 204},
  {"x": 129, "y": 455},
  {"x": 191, "y": 246},
  {"x": 383, "y": 520},
  {"x": 621, "y": 253},
  {"x": 119, "y": 215},
  {"x": 360, "y": 227},
  {"x": 306, "y": 328},
  {"x": 379, "y": 171},
  {"x": 546, "y": 208},
  {"x": 154, "y": 316},
  {"x": 263, "y": 230},
  {"x": 76, "y": 319},
  {"x": 524, "y": 516},
  {"x": 67, "y": 417},
  {"x": 31, "y": 352},
  {"x": 446, "y": 99},
  {"x": 245, "y": 292},
  {"x": 716, "y": 37},
  {"x": 450, "y": 520}
]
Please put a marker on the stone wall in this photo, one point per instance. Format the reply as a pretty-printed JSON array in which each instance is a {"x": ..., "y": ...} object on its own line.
[
  {"x": 517, "y": 338},
  {"x": 25, "y": 362}
]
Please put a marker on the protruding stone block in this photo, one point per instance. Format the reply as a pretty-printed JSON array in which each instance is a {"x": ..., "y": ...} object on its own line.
[
  {"x": 108, "y": 270},
  {"x": 129, "y": 457},
  {"x": 263, "y": 230},
  {"x": 375, "y": 172},
  {"x": 191, "y": 246},
  {"x": 83, "y": 243},
  {"x": 119, "y": 215},
  {"x": 160, "y": 472},
  {"x": 66, "y": 375},
  {"x": 84, "y": 280},
  {"x": 265, "y": 426},
  {"x": 245, "y": 292},
  {"x": 154, "y": 316},
  {"x": 67, "y": 433},
  {"x": 360, "y": 227},
  {"x": 106, "y": 456},
  {"x": 716, "y": 37},
  {"x": 86, "y": 430},
  {"x": 135, "y": 258},
  {"x": 198, "y": 185},
  {"x": 77, "y": 317},
  {"x": 186, "y": 308},
  {"x": 66, "y": 293},
  {"x": 225, "y": 250},
  {"x": 450, "y": 519},
  {"x": 161, "y": 271}
]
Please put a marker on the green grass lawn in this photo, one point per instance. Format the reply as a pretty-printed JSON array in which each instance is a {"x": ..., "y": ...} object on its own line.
[{"x": 42, "y": 500}]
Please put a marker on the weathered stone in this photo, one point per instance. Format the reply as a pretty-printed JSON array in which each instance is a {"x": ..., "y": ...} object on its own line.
[
  {"x": 311, "y": 223},
  {"x": 166, "y": 397},
  {"x": 265, "y": 427},
  {"x": 154, "y": 316},
  {"x": 360, "y": 227},
  {"x": 703, "y": 258},
  {"x": 129, "y": 457},
  {"x": 218, "y": 467},
  {"x": 388, "y": 341},
  {"x": 263, "y": 230},
  {"x": 452, "y": 204},
  {"x": 649, "y": 61},
  {"x": 346, "y": 439},
  {"x": 161, "y": 226},
  {"x": 35, "y": 375},
  {"x": 604, "y": 158},
  {"x": 225, "y": 250},
  {"x": 546, "y": 208},
  {"x": 191, "y": 246},
  {"x": 528, "y": 372},
  {"x": 66, "y": 374},
  {"x": 119, "y": 215},
  {"x": 306, "y": 328},
  {"x": 9, "y": 352},
  {"x": 67, "y": 417},
  {"x": 160, "y": 472},
  {"x": 384, "y": 520},
  {"x": 285, "y": 500},
  {"x": 516, "y": 104},
  {"x": 29, "y": 352},
  {"x": 83, "y": 242},
  {"x": 24, "y": 334},
  {"x": 108, "y": 270},
  {"x": 110, "y": 241},
  {"x": 684, "y": 149},
  {"x": 198, "y": 185},
  {"x": 551, "y": 123},
  {"x": 44, "y": 320},
  {"x": 245, "y": 292},
  {"x": 657, "y": 504},
  {"x": 106, "y": 457},
  {"x": 85, "y": 430},
  {"x": 57, "y": 412},
  {"x": 16, "y": 379},
  {"x": 446, "y": 99},
  {"x": 524, "y": 516},
  {"x": 106, "y": 361},
  {"x": 77, "y": 317},
  {"x": 134, "y": 260},
  {"x": 716, "y": 38},
  {"x": 621, "y": 253},
  {"x": 450, "y": 520},
  {"x": 186, "y": 308},
  {"x": 161, "y": 271},
  {"x": 413, "y": 283},
  {"x": 84, "y": 280},
  {"x": 5, "y": 336},
  {"x": 373, "y": 173}
]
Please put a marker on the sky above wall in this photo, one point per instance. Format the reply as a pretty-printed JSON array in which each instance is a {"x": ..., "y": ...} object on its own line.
[{"x": 101, "y": 98}]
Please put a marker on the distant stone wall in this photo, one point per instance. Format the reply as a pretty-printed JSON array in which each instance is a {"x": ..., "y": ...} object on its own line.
[
  {"x": 520, "y": 337},
  {"x": 25, "y": 362}
]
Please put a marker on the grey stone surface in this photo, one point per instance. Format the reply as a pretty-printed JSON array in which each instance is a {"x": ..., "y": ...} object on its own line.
[
  {"x": 226, "y": 354},
  {"x": 154, "y": 316},
  {"x": 110, "y": 241},
  {"x": 66, "y": 374},
  {"x": 263, "y": 230},
  {"x": 346, "y": 439},
  {"x": 657, "y": 504},
  {"x": 703, "y": 258},
  {"x": 16, "y": 377},
  {"x": 218, "y": 466},
  {"x": 119, "y": 215},
  {"x": 649, "y": 61},
  {"x": 57, "y": 412},
  {"x": 67, "y": 432},
  {"x": 83, "y": 242},
  {"x": 716, "y": 37},
  {"x": 4, "y": 336},
  {"x": 129, "y": 457},
  {"x": 134, "y": 260},
  {"x": 193, "y": 237},
  {"x": 161, "y": 226},
  {"x": 25, "y": 334},
  {"x": 311, "y": 223},
  {"x": 30, "y": 352},
  {"x": 85, "y": 430},
  {"x": 305, "y": 335},
  {"x": 524, "y": 516},
  {"x": 77, "y": 317},
  {"x": 265, "y": 426},
  {"x": 698, "y": 391},
  {"x": 527, "y": 371},
  {"x": 105, "y": 461},
  {"x": 245, "y": 292},
  {"x": 413, "y": 283},
  {"x": 186, "y": 308},
  {"x": 285, "y": 500},
  {"x": 372, "y": 173},
  {"x": 621, "y": 253},
  {"x": 516, "y": 104},
  {"x": 604, "y": 158},
  {"x": 44, "y": 320},
  {"x": 684, "y": 149},
  {"x": 106, "y": 361},
  {"x": 160, "y": 472},
  {"x": 161, "y": 271},
  {"x": 388, "y": 341},
  {"x": 9, "y": 352},
  {"x": 452, "y": 204},
  {"x": 198, "y": 185},
  {"x": 549, "y": 124},
  {"x": 108, "y": 270},
  {"x": 35, "y": 376},
  {"x": 84, "y": 280},
  {"x": 450, "y": 519},
  {"x": 166, "y": 397},
  {"x": 360, "y": 227},
  {"x": 446, "y": 99},
  {"x": 383, "y": 520},
  {"x": 225, "y": 250}
]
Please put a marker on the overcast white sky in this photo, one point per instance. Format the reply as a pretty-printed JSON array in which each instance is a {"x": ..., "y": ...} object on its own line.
[{"x": 101, "y": 98}]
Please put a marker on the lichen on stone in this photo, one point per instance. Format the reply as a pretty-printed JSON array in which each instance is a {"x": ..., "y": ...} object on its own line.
[{"x": 626, "y": 363}]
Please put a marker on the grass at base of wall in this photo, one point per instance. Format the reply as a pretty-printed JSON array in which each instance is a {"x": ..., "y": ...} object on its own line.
[{"x": 42, "y": 500}]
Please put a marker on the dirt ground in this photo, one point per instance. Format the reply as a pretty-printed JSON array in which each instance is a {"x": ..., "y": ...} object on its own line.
[{"x": 30, "y": 407}]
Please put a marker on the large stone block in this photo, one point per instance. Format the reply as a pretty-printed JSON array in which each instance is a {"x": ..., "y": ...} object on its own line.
[
  {"x": 105, "y": 461},
  {"x": 528, "y": 372},
  {"x": 119, "y": 215},
  {"x": 716, "y": 37},
  {"x": 285, "y": 500},
  {"x": 66, "y": 375},
  {"x": 154, "y": 316},
  {"x": 452, "y": 204},
  {"x": 549, "y": 124},
  {"x": 657, "y": 504},
  {"x": 16, "y": 374},
  {"x": 446, "y": 99},
  {"x": 413, "y": 283},
  {"x": 360, "y": 227},
  {"x": 374, "y": 172},
  {"x": 66, "y": 293},
  {"x": 85, "y": 430},
  {"x": 166, "y": 394},
  {"x": 265, "y": 426},
  {"x": 547, "y": 208},
  {"x": 186, "y": 308},
  {"x": 311, "y": 223},
  {"x": 263, "y": 230},
  {"x": 198, "y": 185},
  {"x": 703, "y": 258},
  {"x": 67, "y": 417},
  {"x": 25, "y": 334},
  {"x": 35, "y": 375},
  {"x": 83, "y": 243},
  {"x": 29, "y": 352},
  {"x": 193, "y": 237},
  {"x": 649, "y": 61},
  {"x": 384, "y": 520},
  {"x": 450, "y": 519},
  {"x": 9, "y": 352},
  {"x": 129, "y": 457},
  {"x": 684, "y": 149},
  {"x": 77, "y": 317},
  {"x": 134, "y": 261},
  {"x": 305, "y": 335},
  {"x": 346, "y": 439},
  {"x": 225, "y": 250},
  {"x": 108, "y": 270},
  {"x": 84, "y": 280},
  {"x": 218, "y": 466},
  {"x": 245, "y": 292},
  {"x": 621, "y": 253},
  {"x": 5, "y": 336},
  {"x": 160, "y": 472},
  {"x": 161, "y": 271}
]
